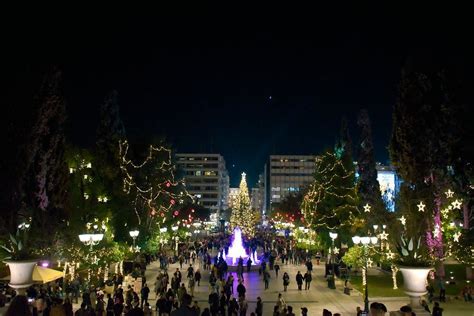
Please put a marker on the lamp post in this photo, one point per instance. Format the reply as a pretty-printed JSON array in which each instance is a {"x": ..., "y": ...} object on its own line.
[
  {"x": 365, "y": 241},
  {"x": 176, "y": 238},
  {"x": 91, "y": 239},
  {"x": 333, "y": 237},
  {"x": 134, "y": 235}
]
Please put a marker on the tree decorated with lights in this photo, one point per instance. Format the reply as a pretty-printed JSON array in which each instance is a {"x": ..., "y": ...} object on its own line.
[
  {"x": 88, "y": 193},
  {"x": 157, "y": 195},
  {"x": 289, "y": 209},
  {"x": 368, "y": 187},
  {"x": 331, "y": 201},
  {"x": 242, "y": 214}
]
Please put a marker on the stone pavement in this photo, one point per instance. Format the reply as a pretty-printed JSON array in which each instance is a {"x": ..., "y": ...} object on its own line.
[{"x": 315, "y": 299}]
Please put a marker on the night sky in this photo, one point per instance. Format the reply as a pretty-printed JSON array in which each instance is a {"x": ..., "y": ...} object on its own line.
[{"x": 230, "y": 83}]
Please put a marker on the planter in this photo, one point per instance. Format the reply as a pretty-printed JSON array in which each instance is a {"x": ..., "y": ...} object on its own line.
[
  {"x": 414, "y": 279},
  {"x": 21, "y": 274}
]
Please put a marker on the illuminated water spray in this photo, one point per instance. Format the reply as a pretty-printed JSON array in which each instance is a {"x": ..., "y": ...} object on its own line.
[{"x": 237, "y": 250}]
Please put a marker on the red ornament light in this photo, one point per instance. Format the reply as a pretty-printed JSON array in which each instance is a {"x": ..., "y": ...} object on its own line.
[
  {"x": 192, "y": 210},
  {"x": 176, "y": 213},
  {"x": 172, "y": 202},
  {"x": 162, "y": 214},
  {"x": 168, "y": 184}
]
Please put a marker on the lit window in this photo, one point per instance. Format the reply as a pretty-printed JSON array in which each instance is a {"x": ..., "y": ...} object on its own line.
[
  {"x": 275, "y": 188},
  {"x": 275, "y": 196},
  {"x": 198, "y": 173}
]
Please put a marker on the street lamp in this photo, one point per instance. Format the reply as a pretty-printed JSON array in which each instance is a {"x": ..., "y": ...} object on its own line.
[
  {"x": 91, "y": 239},
  {"x": 333, "y": 237},
  {"x": 177, "y": 243},
  {"x": 365, "y": 241},
  {"x": 134, "y": 235}
]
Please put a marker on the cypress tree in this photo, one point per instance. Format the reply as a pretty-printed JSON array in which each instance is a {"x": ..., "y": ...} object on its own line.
[
  {"x": 46, "y": 174},
  {"x": 368, "y": 187},
  {"x": 421, "y": 148}
]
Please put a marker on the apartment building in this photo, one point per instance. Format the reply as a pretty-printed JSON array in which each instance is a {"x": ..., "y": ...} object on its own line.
[{"x": 206, "y": 178}]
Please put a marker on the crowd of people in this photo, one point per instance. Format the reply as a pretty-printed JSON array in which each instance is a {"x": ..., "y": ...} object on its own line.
[{"x": 175, "y": 289}]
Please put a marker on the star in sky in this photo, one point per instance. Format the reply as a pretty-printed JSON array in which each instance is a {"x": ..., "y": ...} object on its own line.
[
  {"x": 449, "y": 194},
  {"x": 457, "y": 204},
  {"x": 367, "y": 208},
  {"x": 421, "y": 206}
]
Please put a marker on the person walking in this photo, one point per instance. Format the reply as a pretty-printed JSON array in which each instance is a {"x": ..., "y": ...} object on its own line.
[
  {"x": 233, "y": 307},
  {"x": 307, "y": 280},
  {"x": 197, "y": 277},
  {"x": 299, "y": 280},
  {"x": 243, "y": 306},
  {"x": 145, "y": 291},
  {"x": 190, "y": 271},
  {"x": 266, "y": 278},
  {"x": 281, "y": 303},
  {"x": 286, "y": 281},
  {"x": 241, "y": 289},
  {"x": 259, "y": 308},
  {"x": 277, "y": 268},
  {"x": 191, "y": 285}
]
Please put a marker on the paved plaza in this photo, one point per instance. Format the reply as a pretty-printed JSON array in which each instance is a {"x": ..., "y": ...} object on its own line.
[{"x": 315, "y": 299}]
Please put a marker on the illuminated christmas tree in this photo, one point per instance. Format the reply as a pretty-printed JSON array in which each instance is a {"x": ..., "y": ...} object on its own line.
[
  {"x": 242, "y": 214},
  {"x": 331, "y": 200}
]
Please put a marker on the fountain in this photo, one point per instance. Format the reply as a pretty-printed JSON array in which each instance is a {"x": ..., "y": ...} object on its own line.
[{"x": 237, "y": 250}]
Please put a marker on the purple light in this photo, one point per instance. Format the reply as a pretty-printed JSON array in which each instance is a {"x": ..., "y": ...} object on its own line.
[
  {"x": 237, "y": 250},
  {"x": 45, "y": 264}
]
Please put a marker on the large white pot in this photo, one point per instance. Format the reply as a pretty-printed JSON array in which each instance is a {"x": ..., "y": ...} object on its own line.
[
  {"x": 414, "y": 279},
  {"x": 21, "y": 274}
]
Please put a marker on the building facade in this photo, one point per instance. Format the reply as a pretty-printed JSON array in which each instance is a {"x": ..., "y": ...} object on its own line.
[
  {"x": 206, "y": 179},
  {"x": 389, "y": 182},
  {"x": 286, "y": 174}
]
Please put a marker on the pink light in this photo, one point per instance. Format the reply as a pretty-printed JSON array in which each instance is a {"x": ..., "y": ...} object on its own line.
[
  {"x": 237, "y": 250},
  {"x": 45, "y": 264}
]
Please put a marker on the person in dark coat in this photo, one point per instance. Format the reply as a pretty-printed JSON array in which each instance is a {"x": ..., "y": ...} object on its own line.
[
  {"x": 307, "y": 280},
  {"x": 233, "y": 307},
  {"x": 259, "y": 308},
  {"x": 299, "y": 280},
  {"x": 241, "y": 289},
  {"x": 197, "y": 276}
]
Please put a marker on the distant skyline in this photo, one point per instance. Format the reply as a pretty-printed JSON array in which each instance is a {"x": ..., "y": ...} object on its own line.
[{"x": 222, "y": 84}]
